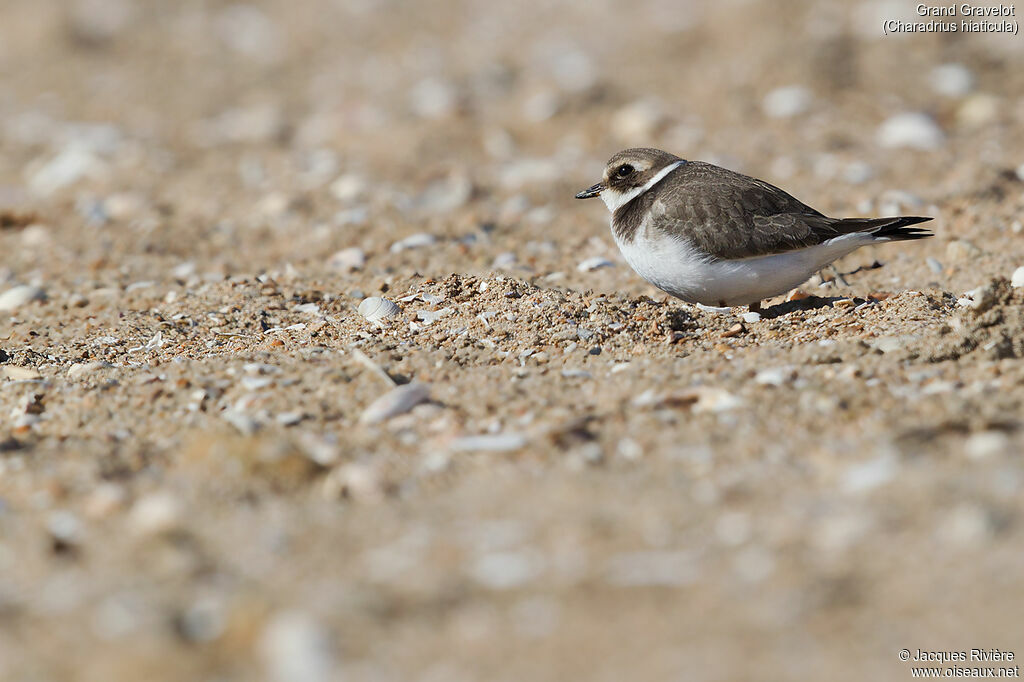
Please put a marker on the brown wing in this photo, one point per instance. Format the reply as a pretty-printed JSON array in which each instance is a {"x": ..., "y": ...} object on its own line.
[{"x": 730, "y": 215}]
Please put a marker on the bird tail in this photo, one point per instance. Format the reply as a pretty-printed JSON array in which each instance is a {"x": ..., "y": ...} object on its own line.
[{"x": 890, "y": 229}]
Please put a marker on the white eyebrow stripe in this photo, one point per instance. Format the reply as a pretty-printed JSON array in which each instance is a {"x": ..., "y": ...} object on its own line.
[{"x": 615, "y": 203}]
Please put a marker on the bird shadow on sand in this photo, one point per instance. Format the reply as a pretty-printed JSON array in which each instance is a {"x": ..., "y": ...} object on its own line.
[
  {"x": 813, "y": 302},
  {"x": 804, "y": 304}
]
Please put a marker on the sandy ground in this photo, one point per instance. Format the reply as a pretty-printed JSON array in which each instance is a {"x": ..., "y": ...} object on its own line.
[{"x": 572, "y": 476}]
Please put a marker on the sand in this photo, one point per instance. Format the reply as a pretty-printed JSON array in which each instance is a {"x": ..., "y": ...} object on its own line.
[{"x": 212, "y": 466}]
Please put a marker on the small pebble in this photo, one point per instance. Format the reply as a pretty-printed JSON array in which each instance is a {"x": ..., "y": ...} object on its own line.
[
  {"x": 889, "y": 344},
  {"x": 80, "y": 368},
  {"x": 935, "y": 265},
  {"x": 979, "y": 299},
  {"x": 442, "y": 197},
  {"x": 540, "y": 106},
  {"x": 961, "y": 249},
  {"x": 356, "y": 481},
  {"x": 733, "y": 528},
  {"x": 630, "y": 450},
  {"x": 96, "y": 22},
  {"x": 249, "y": 31},
  {"x": 984, "y": 444},
  {"x": 713, "y": 309},
  {"x": 504, "y": 261},
  {"x": 15, "y": 297},
  {"x": 506, "y": 570},
  {"x": 157, "y": 513},
  {"x": 308, "y": 308},
  {"x": 295, "y": 646},
  {"x": 65, "y": 530},
  {"x": 428, "y": 317},
  {"x": 594, "y": 263},
  {"x": 797, "y": 295},
  {"x": 951, "y": 80},
  {"x": 784, "y": 102},
  {"x": 16, "y": 373},
  {"x": 978, "y": 110},
  {"x": 1017, "y": 279},
  {"x": 637, "y": 121},
  {"x": 74, "y": 162},
  {"x": 414, "y": 241},
  {"x": 105, "y": 499},
  {"x": 498, "y": 442},
  {"x": 866, "y": 476},
  {"x": 347, "y": 260},
  {"x": 398, "y": 401},
  {"x": 348, "y": 188},
  {"x": 256, "y": 383},
  {"x": 290, "y": 418},
  {"x": 710, "y": 399},
  {"x": 912, "y": 130},
  {"x": 77, "y": 301},
  {"x": 774, "y": 376},
  {"x": 433, "y": 98},
  {"x": 734, "y": 330},
  {"x": 858, "y": 172},
  {"x": 201, "y": 621},
  {"x": 244, "y": 423},
  {"x": 965, "y": 525}
]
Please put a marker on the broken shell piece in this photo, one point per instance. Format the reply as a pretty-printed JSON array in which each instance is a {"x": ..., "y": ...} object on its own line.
[
  {"x": 396, "y": 402},
  {"x": 375, "y": 309},
  {"x": 797, "y": 295},
  {"x": 348, "y": 259},
  {"x": 979, "y": 299},
  {"x": 734, "y": 330},
  {"x": 591, "y": 264}
]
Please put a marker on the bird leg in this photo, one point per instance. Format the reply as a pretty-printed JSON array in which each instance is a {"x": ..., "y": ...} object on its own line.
[{"x": 836, "y": 280}]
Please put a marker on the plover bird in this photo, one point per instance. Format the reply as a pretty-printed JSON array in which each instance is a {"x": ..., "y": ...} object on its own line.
[{"x": 709, "y": 235}]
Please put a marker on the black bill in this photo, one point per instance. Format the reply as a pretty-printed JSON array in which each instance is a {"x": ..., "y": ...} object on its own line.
[{"x": 590, "y": 191}]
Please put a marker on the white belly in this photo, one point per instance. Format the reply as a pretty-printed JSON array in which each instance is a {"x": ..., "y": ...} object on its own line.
[{"x": 674, "y": 266}]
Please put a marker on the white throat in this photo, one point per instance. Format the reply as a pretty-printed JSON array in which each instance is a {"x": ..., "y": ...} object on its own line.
[{"x": 615, "y": 200}]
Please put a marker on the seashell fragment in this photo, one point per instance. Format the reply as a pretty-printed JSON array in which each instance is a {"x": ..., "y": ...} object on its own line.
[
  {"x": 395, "y": 402},
  {"x": 14, "y": 298},
  {"x": 347, "y": 259},
  {"x": 591, "y": 264},
  {"x": 376, "y": 309}
]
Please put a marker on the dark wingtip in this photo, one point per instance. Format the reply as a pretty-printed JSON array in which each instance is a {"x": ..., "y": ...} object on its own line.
[
  {"x": 902, "y": 230},
  {"x": 906, "y": 234},
  {"x": 912, "y": 220}
]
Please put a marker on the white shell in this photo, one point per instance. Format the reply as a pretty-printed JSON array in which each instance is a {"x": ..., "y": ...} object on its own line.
[
  {"x": 348, "y": 259},
  {"x": 18, "y": 296},
  {"x": 376, "y": 308},
  {"x": 395, "y": 402}
]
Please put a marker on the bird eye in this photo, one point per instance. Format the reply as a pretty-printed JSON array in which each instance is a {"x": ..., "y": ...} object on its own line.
[{"x": 623, "y": 171}]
